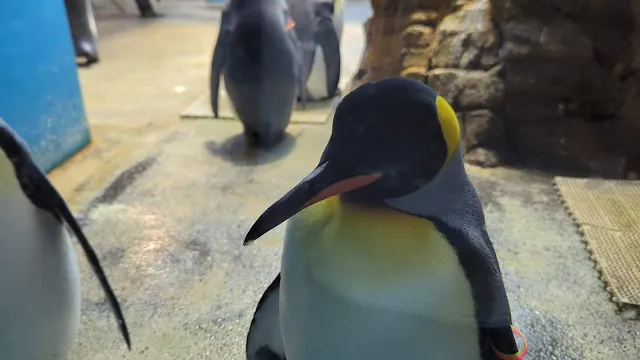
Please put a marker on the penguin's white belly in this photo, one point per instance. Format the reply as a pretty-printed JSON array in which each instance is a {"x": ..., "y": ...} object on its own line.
[
  {"x": 39, "y": 280},
  {"x": 345, "y": 297},
  {"x": 317, "y": 81}
]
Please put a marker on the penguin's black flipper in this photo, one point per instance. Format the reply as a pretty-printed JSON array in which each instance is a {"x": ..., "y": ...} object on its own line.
[
  {"x": 220, "y": 56},
  {"x": 264, "y": 340},
  {"x": 325, "y": 35},
  {"x": 36, "y": 186},
  {"x": 465, "y": 229}
]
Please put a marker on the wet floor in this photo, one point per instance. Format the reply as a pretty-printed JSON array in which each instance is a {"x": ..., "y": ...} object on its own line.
[{"x": 167, "y": 203}]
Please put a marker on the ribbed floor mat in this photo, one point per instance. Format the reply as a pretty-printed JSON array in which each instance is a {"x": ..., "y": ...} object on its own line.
[{"x": 607, "y": 213}]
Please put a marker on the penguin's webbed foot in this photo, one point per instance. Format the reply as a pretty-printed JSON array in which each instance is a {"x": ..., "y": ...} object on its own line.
[
  {"x": 86, "y": 48},
  {"x": 271, "y": 140},
  {"x": 265, "y": 141},
  {"x": 302, "y": 103},
  {"x": 89, "y": 59},
  {"x": 88, "y": 62},
  {"x": 251, "y": 136}
]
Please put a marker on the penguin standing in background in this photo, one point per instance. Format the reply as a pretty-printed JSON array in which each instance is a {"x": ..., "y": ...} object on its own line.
[
  {"x": 258, "y": 54},
  {"x": 386, "y": 254},
  {"x": 338, "y": 16},
  {"x": 83, "y": 30},
  {"x": 39, "y": 276},
  {"x": 324, "y": 75},
  {"x": 147, "y": 8},
  {"x": 320, "y": 44},
  {"x": 337, "y": 13}
]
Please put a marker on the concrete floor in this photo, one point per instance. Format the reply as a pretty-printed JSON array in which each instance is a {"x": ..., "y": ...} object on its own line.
[{"x": 167, "y": 203}]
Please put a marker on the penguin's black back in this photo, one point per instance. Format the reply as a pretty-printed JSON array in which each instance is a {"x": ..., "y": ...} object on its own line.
[{"x": 261, "y": 75}]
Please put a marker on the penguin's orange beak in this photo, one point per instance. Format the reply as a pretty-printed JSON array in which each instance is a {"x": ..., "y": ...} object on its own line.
[{"x": 321, "y": 184}]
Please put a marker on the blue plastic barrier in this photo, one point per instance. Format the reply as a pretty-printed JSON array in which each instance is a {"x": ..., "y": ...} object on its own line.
[{"x": 40, "y": 94}]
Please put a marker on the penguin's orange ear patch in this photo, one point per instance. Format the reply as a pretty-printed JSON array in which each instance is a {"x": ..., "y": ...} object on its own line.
[{"x": 290, "y": 25}]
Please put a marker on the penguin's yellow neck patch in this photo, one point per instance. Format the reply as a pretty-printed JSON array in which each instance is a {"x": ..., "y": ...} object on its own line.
[
  {"x": 385, "y": 238},
  {"x": 381, "y": 257},
  {"x": 449, "y": 124}
]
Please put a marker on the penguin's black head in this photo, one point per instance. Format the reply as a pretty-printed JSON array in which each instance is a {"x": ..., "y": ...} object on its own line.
[
  {"x": 396, "y": 128},
  {"x": 389, "y": 138}
]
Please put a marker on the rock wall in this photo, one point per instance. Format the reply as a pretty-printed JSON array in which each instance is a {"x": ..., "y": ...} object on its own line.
[
  {"x": 552, "y": 84},
  {"x": 399, "y": 35}
]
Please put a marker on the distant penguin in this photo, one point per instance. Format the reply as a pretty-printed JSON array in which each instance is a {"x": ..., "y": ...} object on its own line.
[
  {"x": 147, "y": 8},
  {"x": 83, "y": 30},
  {"x": 258, "y": 54},
  {"x": 324, "y": 76},
  {"x": 337, "y": 13},
  {"x": 39, "y": 276},
  {"x": 320, "y": 42}
]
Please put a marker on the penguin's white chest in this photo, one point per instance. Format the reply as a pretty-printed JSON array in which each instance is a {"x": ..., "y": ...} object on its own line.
[
  {"x": 39, "y": 279},
  {"x": 373, "y": 285},
  {"x": 317, "y": 81}
]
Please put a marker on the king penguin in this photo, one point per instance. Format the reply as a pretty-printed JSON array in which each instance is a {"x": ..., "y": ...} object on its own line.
[
  {"x": 39, "y": 276},
  {"x": 337, "y": 14},
  {"x": 259, "y": 56},
  {"x": 386, "y": 254},
  {"x": 83, "y": 30},
  {"x": 324, "y": 75},
  {"x": 317, "y": 31}
]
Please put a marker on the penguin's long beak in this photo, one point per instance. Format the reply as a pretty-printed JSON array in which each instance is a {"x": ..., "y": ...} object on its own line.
[{"x": 323, "y": 183}]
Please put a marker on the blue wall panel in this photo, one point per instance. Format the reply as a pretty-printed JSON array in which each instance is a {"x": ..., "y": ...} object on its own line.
[{"x": 40, "y": 95}]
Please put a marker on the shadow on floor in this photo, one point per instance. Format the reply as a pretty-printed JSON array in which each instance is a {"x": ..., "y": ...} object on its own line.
[{"x": 236, "y": 150}]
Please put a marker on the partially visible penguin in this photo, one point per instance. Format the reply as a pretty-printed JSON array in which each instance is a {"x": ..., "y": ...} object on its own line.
[
  {"x": 39, "y": 277},
  {"x": 147, "y": 8},
  {"x": 316, "y": 28},
  {"x": 258, "y": 54},
  {"x": 337, "y": 13},
  {"x": 386, "y": 253},
  {"x": 324, "y": 75},
  {"x": 83, "y": 30}
]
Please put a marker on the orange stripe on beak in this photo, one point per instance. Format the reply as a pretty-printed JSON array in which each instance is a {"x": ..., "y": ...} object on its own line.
[{"x": 342, "y": 187}]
